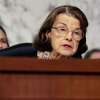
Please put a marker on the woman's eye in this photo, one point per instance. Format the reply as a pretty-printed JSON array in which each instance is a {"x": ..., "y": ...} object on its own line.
[
  {"x": 62, "y": 29},
  {"x": 77, "y": 33},
  {"x": 3, "y": 41}
]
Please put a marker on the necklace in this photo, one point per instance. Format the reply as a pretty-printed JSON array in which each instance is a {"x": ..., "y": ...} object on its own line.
[{"x": 43, "y": 55}]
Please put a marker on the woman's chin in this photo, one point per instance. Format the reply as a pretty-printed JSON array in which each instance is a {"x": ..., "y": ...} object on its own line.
[{"x": 67, "y": 54}]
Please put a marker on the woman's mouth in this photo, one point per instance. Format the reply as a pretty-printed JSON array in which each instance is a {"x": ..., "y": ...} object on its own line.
[{"x": 67, "y": 46}]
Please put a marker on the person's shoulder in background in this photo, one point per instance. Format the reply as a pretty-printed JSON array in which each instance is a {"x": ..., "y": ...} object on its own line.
[{"x": 23, "y": 49}]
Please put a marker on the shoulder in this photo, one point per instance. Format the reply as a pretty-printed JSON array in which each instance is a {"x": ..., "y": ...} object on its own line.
[{"x": 24, "y": 49}]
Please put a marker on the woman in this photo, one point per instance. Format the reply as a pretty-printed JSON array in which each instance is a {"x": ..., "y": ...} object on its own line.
[
  {"x": 63, "y": 34},
  {"x": 3, "y": 39}
]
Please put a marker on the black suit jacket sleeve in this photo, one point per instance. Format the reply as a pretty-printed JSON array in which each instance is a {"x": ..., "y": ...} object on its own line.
[{"x": 24, "y": 49}]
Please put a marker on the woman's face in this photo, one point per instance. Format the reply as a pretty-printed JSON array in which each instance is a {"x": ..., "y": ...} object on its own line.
[
  {"x": 3, "y": 40},
  {"x": 65, "y": 35}
]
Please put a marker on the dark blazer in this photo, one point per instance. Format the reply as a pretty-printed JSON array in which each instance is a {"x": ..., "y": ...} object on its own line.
[{"x": 24, "y": 49}]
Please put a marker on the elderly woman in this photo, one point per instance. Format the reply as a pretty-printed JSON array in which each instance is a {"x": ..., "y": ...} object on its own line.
[{"x": 63, "y": 34}]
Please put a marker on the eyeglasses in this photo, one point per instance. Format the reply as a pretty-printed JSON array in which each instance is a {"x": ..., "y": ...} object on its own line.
[{"x": 77, "y": 34}]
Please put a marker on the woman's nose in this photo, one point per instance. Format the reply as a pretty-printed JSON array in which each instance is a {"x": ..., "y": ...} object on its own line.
[{"x": 69, "y": 36}]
